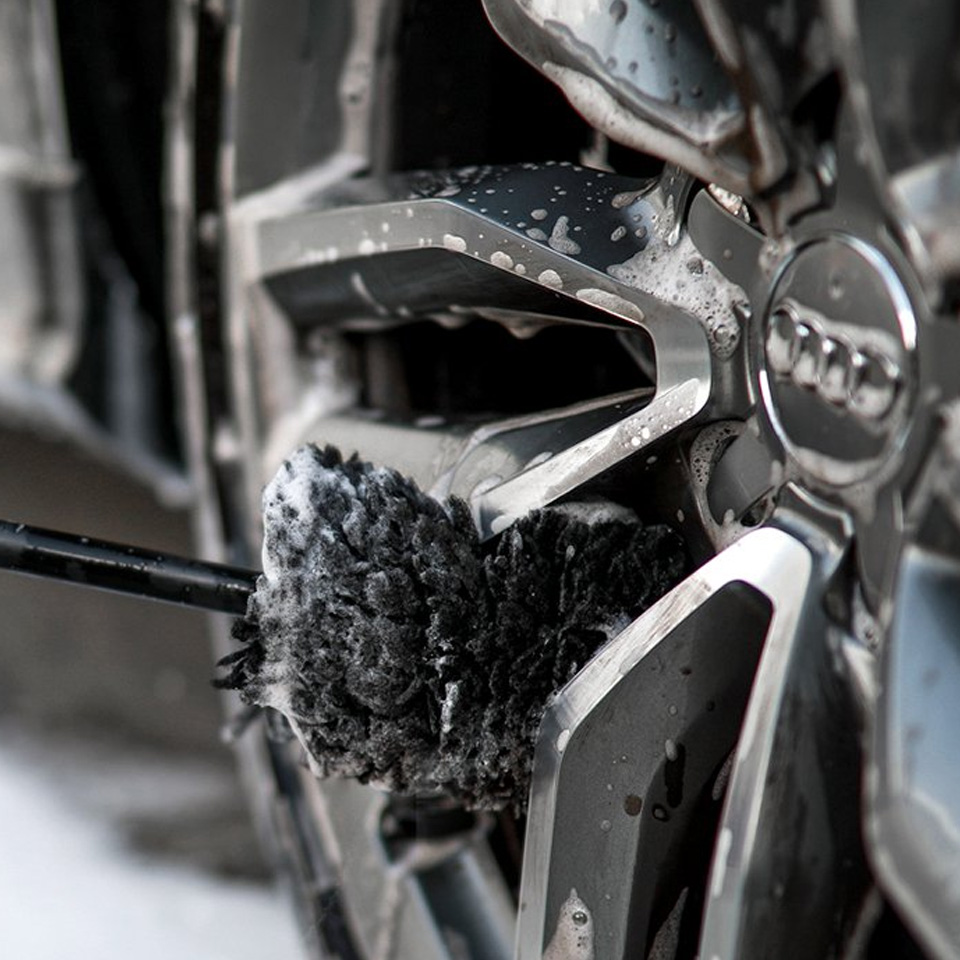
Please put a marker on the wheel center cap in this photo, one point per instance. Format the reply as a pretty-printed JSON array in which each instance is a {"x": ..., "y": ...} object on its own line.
[{"x": 836, "y": 365}]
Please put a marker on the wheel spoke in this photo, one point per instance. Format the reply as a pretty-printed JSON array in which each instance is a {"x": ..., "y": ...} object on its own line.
[
  {"x": 393, "y": 897},
  {"x": 479, "y": 240},
  {"x": 764, "y": 54},
  {"x": 506, "y": 469},
  {"x": 550, "y": 241},
  {"x": 629, "y": 752},
  {"x": 562, "y": 473},
  {"x": 732, "y": 244},
  {"x": 928, "y": 196},
  {"x": 452, "y": 460},
  {"x": 913, "y": 788},
  {"x": 615, "y": 65},
  {"x": 788, "y": 872},
  {"x": 901, "y": 138}
]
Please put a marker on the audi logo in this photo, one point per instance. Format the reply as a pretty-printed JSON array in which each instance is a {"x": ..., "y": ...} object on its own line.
[{"x": 859, "y": 380}]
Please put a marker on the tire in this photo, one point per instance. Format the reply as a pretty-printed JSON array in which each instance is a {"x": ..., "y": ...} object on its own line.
[{"x": 747, "y": 338}]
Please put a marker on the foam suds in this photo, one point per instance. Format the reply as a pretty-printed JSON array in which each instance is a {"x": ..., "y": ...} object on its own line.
[
  {"x": 405, "y": 653},
  {"x": 454, "y": 243},
  {"x": 574, "y": 934},
  {"x": 703, "y": 455},
  {"x": 679, "y": 276},
  {"x": 611, "y": 302},
  {"x": 550, "y": 278},
  {"x": 560, "y": 239}
]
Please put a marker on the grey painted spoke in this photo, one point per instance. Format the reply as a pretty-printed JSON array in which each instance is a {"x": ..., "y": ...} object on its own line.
[
  {"x": 391, "y": 896},
  {"x": 614, "y": 67},
  {"x": 604, "y": 254},
  {"x": 913, "y": 795},
  {"x": 725, "y": 240},
  {"x": 672, "y": 685},
  {"x": 788, "y": 873},
  {"x": 563, "y": 472}
]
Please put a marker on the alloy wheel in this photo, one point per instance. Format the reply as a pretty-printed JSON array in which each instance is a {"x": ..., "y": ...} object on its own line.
[{"x": 757, "y": 764}]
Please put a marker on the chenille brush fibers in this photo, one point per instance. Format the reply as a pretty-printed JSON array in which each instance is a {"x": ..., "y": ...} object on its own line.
[{"x": 402, "y": 651}]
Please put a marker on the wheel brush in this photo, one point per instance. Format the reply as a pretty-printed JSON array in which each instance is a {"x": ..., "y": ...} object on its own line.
[{"x": 401, "y": 650}]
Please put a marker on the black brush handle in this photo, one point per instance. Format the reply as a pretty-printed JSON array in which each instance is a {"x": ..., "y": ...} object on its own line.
[{"x": 123, "y": 569}]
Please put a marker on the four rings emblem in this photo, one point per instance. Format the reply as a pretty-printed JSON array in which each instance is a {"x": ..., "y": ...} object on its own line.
[{"x": 860, "y": 379}]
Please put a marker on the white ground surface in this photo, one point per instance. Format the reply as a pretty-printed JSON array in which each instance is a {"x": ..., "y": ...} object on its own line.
[{"x": 70, "y": 889}]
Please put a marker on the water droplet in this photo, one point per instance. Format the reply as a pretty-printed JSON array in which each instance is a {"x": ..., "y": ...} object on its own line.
[
  {"x": 562, "y": 740},
  {"x": 605, "y": 826},
  {"x": 672, "y": 709},
  {"x": 618, "y": 10},
  {"x": 579, "y": 917},
  {"x": 660, "y": 813}
]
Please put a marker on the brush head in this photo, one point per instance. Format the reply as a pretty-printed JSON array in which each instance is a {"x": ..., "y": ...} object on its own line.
[{"x": 405, "y": 653}]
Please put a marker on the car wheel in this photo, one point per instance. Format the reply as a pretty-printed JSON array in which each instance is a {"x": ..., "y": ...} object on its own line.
[{"x": 751, "y": 338}]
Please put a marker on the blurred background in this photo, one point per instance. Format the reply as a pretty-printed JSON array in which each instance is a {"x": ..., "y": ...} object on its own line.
[{"x": 123, "y": 827}]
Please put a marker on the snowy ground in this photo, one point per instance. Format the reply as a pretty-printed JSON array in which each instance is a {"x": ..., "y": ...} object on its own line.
[
  {"x": 71, "y": 887},
  {"x": 124, "y": 831}
]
